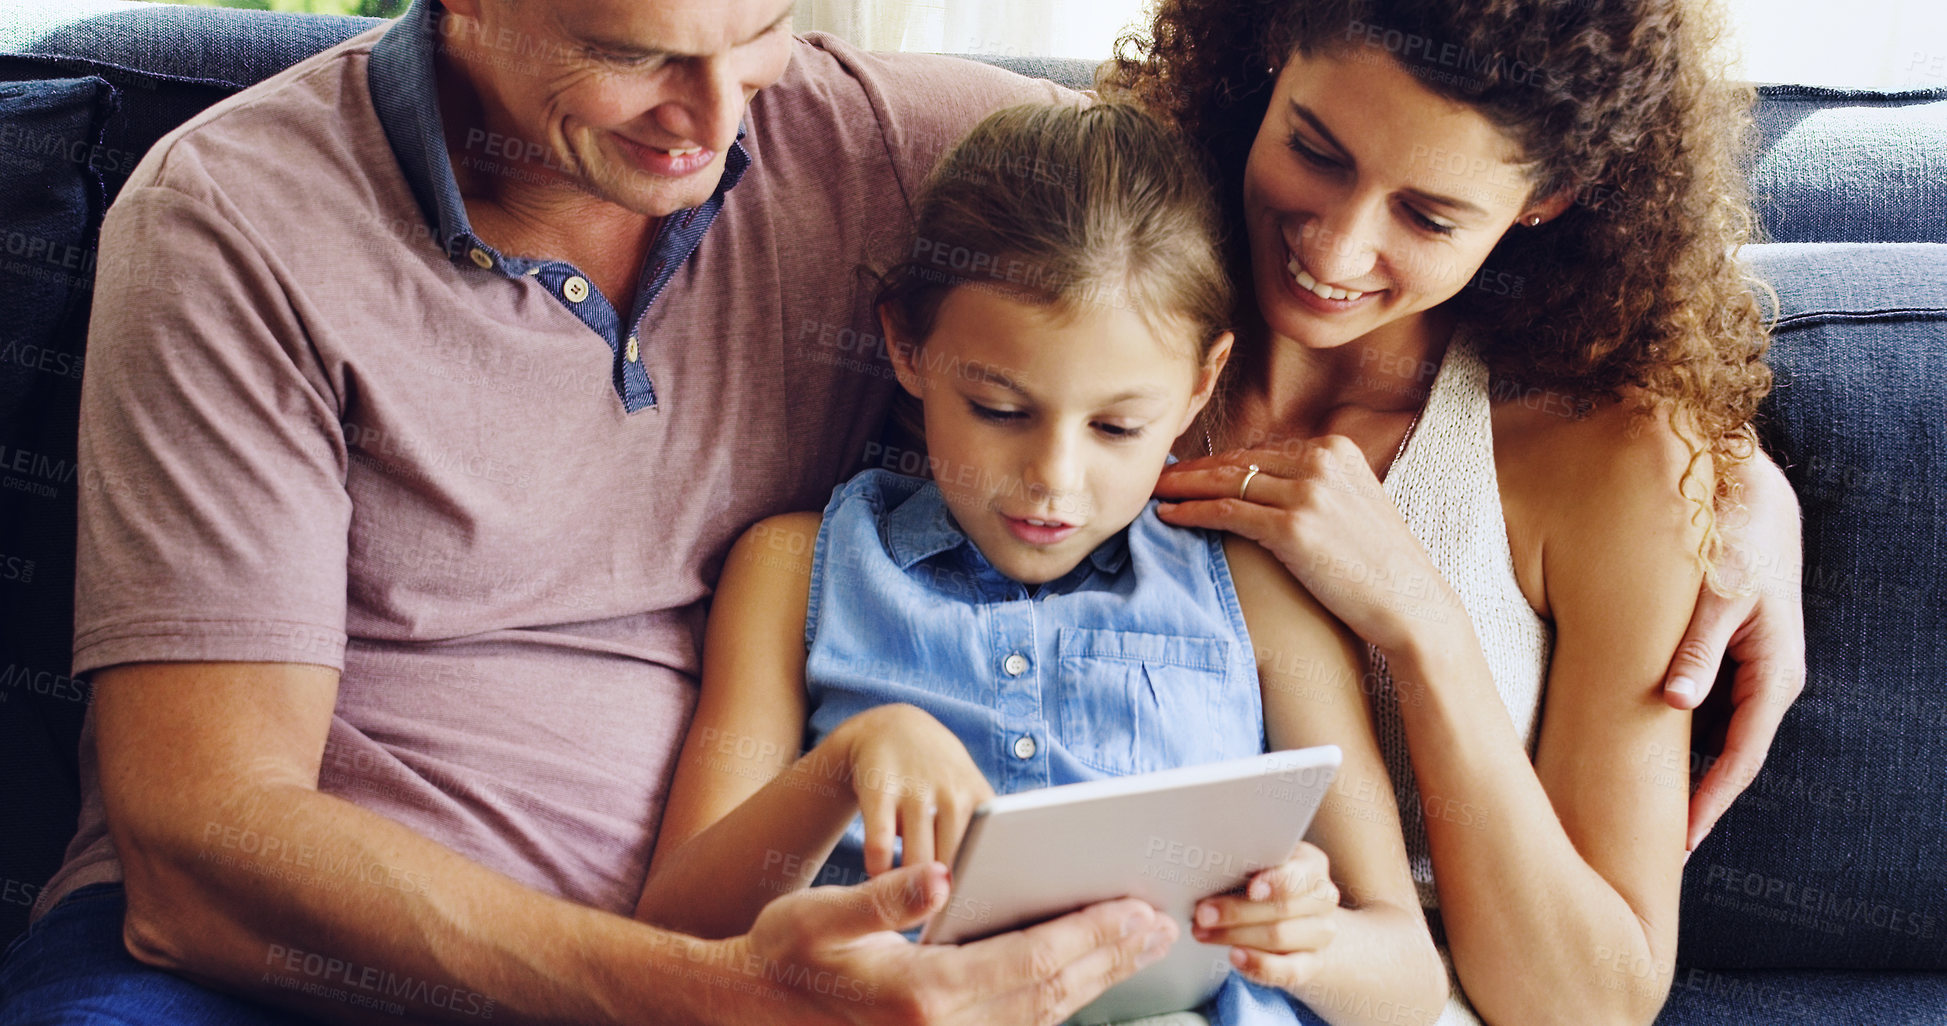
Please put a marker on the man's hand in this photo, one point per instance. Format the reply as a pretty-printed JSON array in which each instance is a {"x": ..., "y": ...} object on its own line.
[
  {"x": 914, "y": 780},
  {"x": 833, "y": 955},
  {"x": 1762, "y": 628}
]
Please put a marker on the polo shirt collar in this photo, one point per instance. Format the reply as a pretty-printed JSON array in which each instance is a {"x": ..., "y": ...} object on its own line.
[{"x": 405, "y": 93}]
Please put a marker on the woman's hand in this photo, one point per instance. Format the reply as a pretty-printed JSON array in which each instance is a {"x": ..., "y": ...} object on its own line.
[
  {"x": 1281, "y": 923},
  {"x": 914, "y": 780},
  {"x": 1324, "y": 515}
]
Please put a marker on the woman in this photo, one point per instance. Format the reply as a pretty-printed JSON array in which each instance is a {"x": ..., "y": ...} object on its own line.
[{"x": 1490, "y": 245}]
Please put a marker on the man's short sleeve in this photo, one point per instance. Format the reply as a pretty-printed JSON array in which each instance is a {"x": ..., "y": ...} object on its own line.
[
  {"x": 213, "y": 512},
  {"x": 926, "y": 102}
]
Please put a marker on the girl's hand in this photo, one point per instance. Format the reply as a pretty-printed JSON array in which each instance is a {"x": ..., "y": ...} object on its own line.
[
  {"x": 914, "y": 780},
  {"x": 1278, "y": 927},
  {"x": 1327, "y": 519}
]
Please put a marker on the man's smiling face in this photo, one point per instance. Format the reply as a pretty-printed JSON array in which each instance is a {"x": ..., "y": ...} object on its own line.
[{"x": 636, "y": 102}]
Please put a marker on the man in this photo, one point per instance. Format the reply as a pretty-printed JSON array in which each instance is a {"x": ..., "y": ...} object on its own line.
[
  {"x": 480, "y": 338},
  {"x": 400, "y": 529}
]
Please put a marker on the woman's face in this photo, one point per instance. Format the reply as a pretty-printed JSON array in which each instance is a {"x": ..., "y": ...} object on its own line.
[{"x": 1371, "y": 200}]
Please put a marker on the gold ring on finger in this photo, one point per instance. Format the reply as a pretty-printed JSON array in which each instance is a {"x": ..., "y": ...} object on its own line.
[{"x": 1246, "y": 486}]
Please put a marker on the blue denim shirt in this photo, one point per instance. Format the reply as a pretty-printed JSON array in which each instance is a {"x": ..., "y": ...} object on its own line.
[{"x": 1136, "y": 660}]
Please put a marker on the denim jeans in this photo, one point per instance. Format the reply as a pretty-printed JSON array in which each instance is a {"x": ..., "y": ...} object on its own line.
[{"x": 71, "y": 969}]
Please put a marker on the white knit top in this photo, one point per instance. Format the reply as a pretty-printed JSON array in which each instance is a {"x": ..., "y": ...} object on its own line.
[{"x": 1445, "y": 485}]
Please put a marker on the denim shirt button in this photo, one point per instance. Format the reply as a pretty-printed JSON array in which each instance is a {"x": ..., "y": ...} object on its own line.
[
  {"x": 1024, "y": 747},
  {"x": 1015, "y": 665}
]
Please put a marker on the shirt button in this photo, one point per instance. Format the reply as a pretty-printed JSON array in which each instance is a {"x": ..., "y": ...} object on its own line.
[
  {"x": 634, "y": 352},
  {"x": 481, "y": 257},
  {"x": 575, "y": 288},
  {"x": 1015, "y": 665},
  {"x": 1024, "y": 747}
]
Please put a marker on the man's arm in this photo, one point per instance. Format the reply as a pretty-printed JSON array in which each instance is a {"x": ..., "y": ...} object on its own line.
[
  {"x": 926, "y": 102},
  {"x": 193, "y": 753}
]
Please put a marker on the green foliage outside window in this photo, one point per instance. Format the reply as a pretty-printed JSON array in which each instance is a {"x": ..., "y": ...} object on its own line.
[{"x": 366, "y": 8}]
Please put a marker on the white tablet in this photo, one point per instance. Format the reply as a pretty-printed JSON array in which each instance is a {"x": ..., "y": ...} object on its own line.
[{"x": 1171, "y": 838}]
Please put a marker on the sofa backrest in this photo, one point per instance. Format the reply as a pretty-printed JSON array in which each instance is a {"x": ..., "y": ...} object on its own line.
[
  {"x": 1836, "y": 165},
  {"x": 233, "y": 47},
  {"x": 1836, "y": 857}
]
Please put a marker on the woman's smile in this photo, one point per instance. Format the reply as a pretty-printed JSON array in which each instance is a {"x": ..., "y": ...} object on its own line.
[{"x": 1321, "y": 297}]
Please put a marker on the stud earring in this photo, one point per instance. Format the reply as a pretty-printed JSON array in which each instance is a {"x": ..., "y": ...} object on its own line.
[{"x": 1535, "y": 221}]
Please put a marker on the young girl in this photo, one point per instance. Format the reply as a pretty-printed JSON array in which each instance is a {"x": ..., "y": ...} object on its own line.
[{"x": 1023, "y": 619}]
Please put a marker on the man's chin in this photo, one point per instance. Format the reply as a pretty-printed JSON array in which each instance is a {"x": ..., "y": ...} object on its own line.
[
  {"x": 621, "y": 184},
  {"x": 655, "y": 205}
]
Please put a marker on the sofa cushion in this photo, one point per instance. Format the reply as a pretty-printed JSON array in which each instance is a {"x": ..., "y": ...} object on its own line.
[
  {"x": 51, "y": 200},
  {"x": 1837, "y": 855},
  {"x": 146, "y": 108},
  {"x": 50, "y": 197},
  {"x": 1851, "y": 166},
  {"x": 166, "y": 61},
  {"x": 1702, "y": 997},
  {"x": 236, "y": 47}
]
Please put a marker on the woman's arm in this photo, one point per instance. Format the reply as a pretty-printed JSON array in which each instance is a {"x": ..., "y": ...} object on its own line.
[
  {"x": 1380, "y": 965},
  {"x": 747, "y": 819},
  {"x": 1559, "y": 881}
]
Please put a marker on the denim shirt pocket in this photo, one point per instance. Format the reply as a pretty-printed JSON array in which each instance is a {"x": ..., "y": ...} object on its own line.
[{"x": 1133, "y": 702}]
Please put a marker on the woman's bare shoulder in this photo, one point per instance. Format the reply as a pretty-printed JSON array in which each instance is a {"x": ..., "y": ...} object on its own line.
[
  {"x": 1612, "y": 451},
  {"x": 1582, "y": 491}
]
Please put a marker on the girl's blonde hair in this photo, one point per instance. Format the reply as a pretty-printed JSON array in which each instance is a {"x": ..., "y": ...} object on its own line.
[{"x": 1069, "y": 207}]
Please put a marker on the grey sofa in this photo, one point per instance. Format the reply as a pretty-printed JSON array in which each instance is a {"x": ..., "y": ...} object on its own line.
[{"x": 1821, "y": 898}]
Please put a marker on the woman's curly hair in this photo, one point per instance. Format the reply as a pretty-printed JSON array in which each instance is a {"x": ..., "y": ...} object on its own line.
[{"x": 1617, "y": 102}]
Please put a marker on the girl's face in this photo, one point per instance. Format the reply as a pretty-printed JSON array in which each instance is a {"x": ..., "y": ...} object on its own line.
[
  {"x": 1047, "y": 430},
  {"x": 1370, "y": 199}
]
